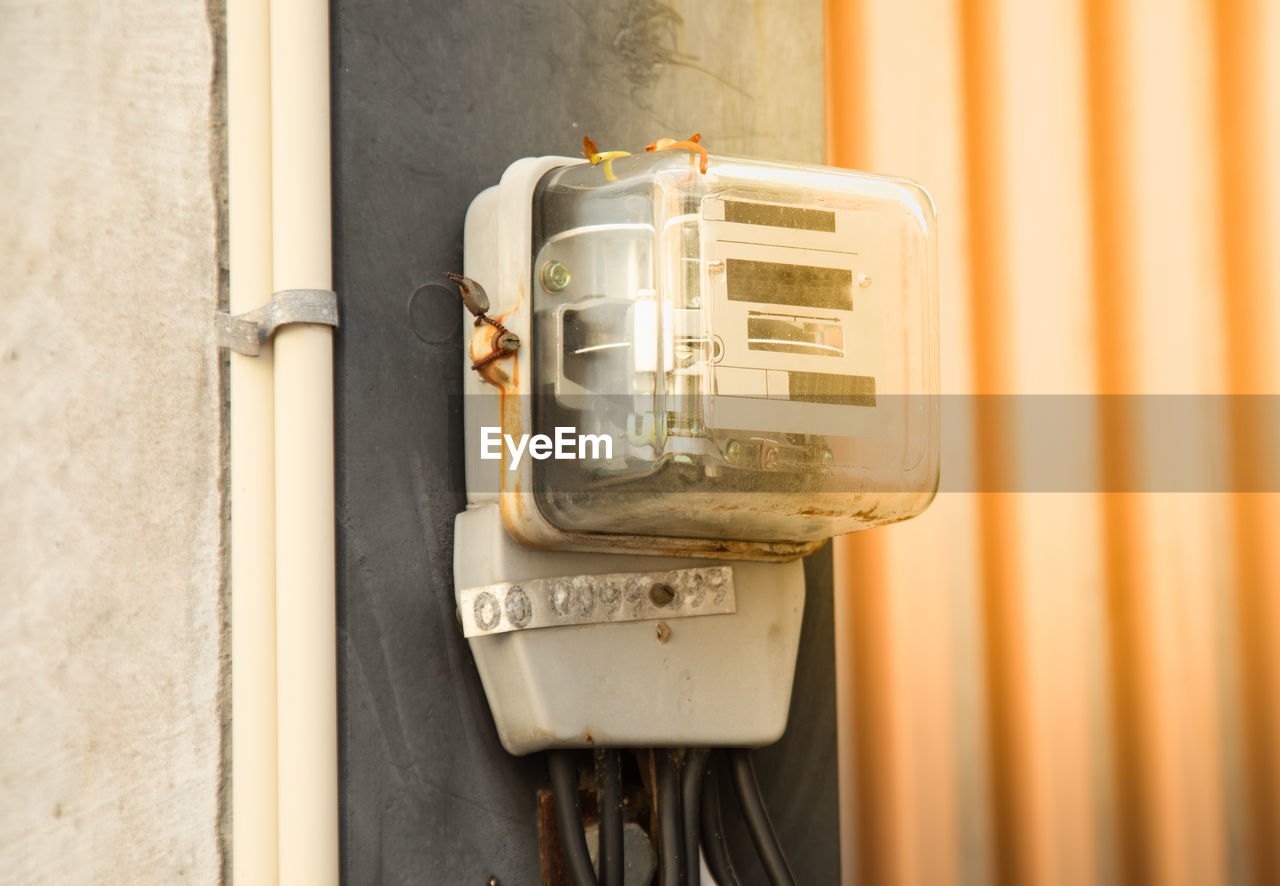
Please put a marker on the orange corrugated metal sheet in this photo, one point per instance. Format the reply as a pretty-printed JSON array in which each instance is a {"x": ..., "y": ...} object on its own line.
[{"x": 1082, "y": 687}]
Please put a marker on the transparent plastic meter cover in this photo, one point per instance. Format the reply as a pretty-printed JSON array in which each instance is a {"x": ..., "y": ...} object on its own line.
[{"x": 758, "y": 343}]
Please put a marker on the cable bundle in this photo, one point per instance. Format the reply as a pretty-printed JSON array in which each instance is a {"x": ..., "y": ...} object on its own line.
[{"x": 690, "y": 827}]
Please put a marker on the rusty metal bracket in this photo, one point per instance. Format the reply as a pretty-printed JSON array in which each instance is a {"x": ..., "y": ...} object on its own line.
[
  {"x": 596, "y": 599},
  {"x": 245, "y": 333}
]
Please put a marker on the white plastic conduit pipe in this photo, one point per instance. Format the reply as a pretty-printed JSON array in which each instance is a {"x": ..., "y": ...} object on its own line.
[
  {"x": 306, "y": 667},
  {"x": 253, "y": 562}
]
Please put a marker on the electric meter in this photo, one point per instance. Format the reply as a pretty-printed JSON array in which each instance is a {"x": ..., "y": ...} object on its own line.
[{"x": 737, "y": 362}]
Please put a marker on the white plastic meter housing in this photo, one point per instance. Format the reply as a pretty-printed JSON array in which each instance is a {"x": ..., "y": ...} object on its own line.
[
  {"x": 757, "y": 343},
  {"x": 723, "y": 369}
]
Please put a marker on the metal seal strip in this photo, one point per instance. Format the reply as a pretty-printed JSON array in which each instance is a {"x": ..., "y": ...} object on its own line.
[
  {"x": 245, "y": 333},
  {"x": 596, "y": 599}
]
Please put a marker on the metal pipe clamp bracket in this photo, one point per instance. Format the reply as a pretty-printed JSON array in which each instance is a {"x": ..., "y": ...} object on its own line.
[{"x": 245, "y": 333}]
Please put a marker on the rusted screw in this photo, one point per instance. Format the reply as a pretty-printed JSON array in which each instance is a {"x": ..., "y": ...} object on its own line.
[
  {"x": 508, "y": 342},
  {"x": 664, "y": 632},
  {"x": 661, "y": 594},
  {"x": 771, "y": 458},
  {"x": 732, "y": 451}
]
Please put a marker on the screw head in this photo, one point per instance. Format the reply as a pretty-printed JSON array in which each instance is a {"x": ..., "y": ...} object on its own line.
[
  {"x": 661, "y": 594},
  {"x": 771, "y": 458},
  {"x": 555, "y": 276},
  {"x": 508, "y": 342},
  {"x": 864, "y": 280},
  {"x": 732, "y": 451},
  {"x": 827, "y": 457}
]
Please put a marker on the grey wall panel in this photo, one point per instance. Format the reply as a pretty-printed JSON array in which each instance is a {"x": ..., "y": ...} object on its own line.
[{"x": 432, "y": 100}]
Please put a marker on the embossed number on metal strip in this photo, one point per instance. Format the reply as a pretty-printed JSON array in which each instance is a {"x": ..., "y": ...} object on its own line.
[{"x": 595, "y": 599}]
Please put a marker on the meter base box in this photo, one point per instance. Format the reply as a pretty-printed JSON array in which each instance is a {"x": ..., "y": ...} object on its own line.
[{"x": 708, "y": 681}]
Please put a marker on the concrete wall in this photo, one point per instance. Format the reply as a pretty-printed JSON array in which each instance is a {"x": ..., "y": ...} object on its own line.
[{"x": 112, "y": 694}]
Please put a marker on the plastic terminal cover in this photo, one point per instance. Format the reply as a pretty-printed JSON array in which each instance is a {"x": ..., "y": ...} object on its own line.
[{"x": 758, "y": 345}]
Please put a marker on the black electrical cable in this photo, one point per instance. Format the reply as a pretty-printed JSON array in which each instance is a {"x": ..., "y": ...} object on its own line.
[
  {"x": 757, "y": 819},
  {"x": 713, "y": 844},
  {"x": 609, "y": 801},
  {"x": 670, "y": 831},
  {"x": 695, "y": 764},
  {"x": 573, "y": 840}
]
